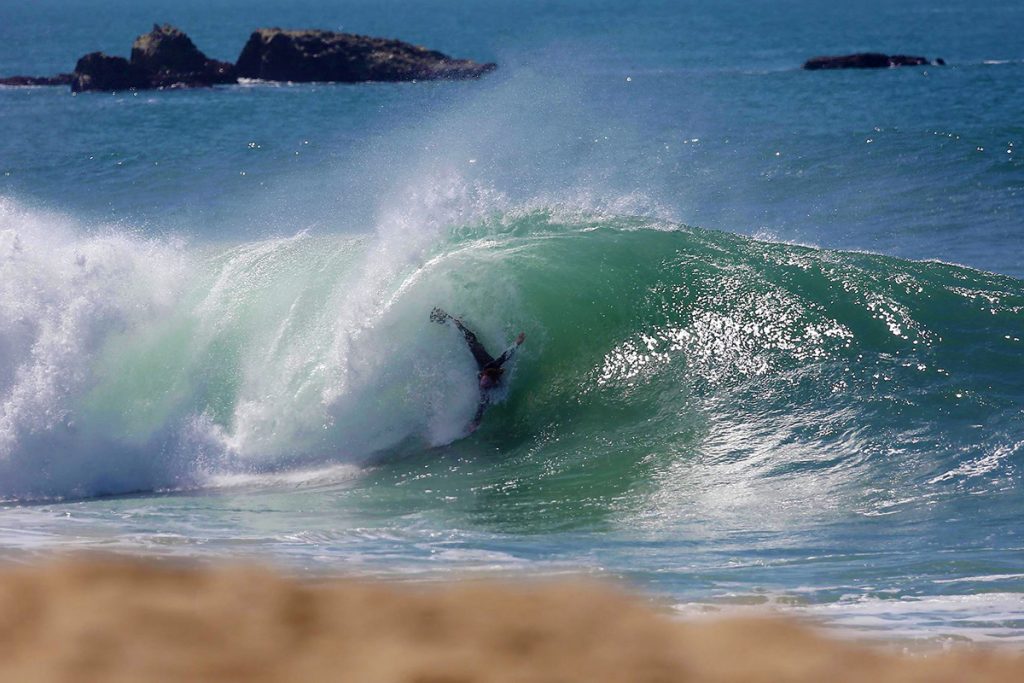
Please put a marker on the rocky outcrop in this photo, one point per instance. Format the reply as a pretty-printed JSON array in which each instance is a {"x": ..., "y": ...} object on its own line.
[
  {"x": 168, "y": 57},
  {"x": 98, "y": 71},
  {"x": 867, "y": 60},
  {"x": 59, "y": 79},
  {"x": 163, "y": 58},
  {"x": 310, "y": 55},
  {"x": 167, "y": 48}
]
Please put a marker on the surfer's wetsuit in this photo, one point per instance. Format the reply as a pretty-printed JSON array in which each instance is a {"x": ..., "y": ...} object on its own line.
[
  {"x": 489, "y": 368},
  {"x": 484, "y": 361}
]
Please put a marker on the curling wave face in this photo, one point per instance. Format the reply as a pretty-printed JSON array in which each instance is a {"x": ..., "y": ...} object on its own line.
[{"x": 663, "y": 361}]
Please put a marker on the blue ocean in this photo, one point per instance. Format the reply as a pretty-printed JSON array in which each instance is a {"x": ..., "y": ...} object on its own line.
[{"x": 774, "y": 318}]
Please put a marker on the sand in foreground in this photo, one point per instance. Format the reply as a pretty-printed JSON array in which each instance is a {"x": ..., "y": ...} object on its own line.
[{"x": 92, "y": 620}]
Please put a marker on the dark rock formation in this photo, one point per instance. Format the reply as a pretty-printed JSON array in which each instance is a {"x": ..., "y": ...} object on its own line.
[
  {"x": 162, "y": 58},
  {"x": 59, "y": 79},
  {"x": 866, "y": 60},
  {"x": 170, "y": 58},
  {"x": 167, "y": 58},
  {"x": 98, "y": 71},
  {"x": 166, "y": 48},
  {"x": 303, "y": 56}
]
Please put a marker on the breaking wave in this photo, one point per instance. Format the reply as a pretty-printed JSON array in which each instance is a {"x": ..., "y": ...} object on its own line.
[{"x": 135, "y": 364}]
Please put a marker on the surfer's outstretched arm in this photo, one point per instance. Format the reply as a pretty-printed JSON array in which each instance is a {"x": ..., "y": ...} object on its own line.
[
  {"x": 509, "y": 352},
  {"x": 480, "y": 355}
]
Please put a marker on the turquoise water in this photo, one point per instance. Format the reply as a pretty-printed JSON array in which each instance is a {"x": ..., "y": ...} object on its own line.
[{"x": 774, "y": 318}]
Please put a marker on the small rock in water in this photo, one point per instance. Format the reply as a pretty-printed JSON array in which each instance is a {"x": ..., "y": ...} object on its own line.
[
  {"x": 867, "y": 60},
  {"x": 59, "y": 79}
]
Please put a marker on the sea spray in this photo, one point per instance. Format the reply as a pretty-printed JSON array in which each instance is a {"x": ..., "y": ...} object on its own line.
[{"x": 62, "y": 296}]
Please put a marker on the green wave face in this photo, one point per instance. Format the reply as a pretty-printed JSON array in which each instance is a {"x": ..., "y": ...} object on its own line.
[
  {"x": 668, "y": 371},
  {"x": 674, "y": 374}
]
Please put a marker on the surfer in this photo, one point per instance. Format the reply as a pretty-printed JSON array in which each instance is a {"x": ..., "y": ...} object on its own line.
[{"x": 489, "y": 368}]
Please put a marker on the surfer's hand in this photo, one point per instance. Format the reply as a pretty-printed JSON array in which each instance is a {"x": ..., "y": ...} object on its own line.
[{"x": 521, "y": 338}]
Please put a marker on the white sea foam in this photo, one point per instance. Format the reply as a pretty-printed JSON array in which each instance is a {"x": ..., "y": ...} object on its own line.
[
  {"x": 300, "y": 478},
  {"x": 983, "y": 617},
  {"x": 63, "y": 295}
]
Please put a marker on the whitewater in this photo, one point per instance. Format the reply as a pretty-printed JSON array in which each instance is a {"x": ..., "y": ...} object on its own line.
[{"x": 134, "y": 364}]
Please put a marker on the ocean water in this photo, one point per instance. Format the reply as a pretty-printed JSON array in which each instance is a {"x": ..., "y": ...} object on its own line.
[{"x": 774, "y": 318}]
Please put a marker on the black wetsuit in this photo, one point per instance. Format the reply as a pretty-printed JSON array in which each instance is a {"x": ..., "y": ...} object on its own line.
[{"x": 484, "y": 361}]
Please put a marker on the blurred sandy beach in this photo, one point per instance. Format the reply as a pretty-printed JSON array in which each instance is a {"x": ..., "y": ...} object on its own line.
[{"x": 128, "y": 620}]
